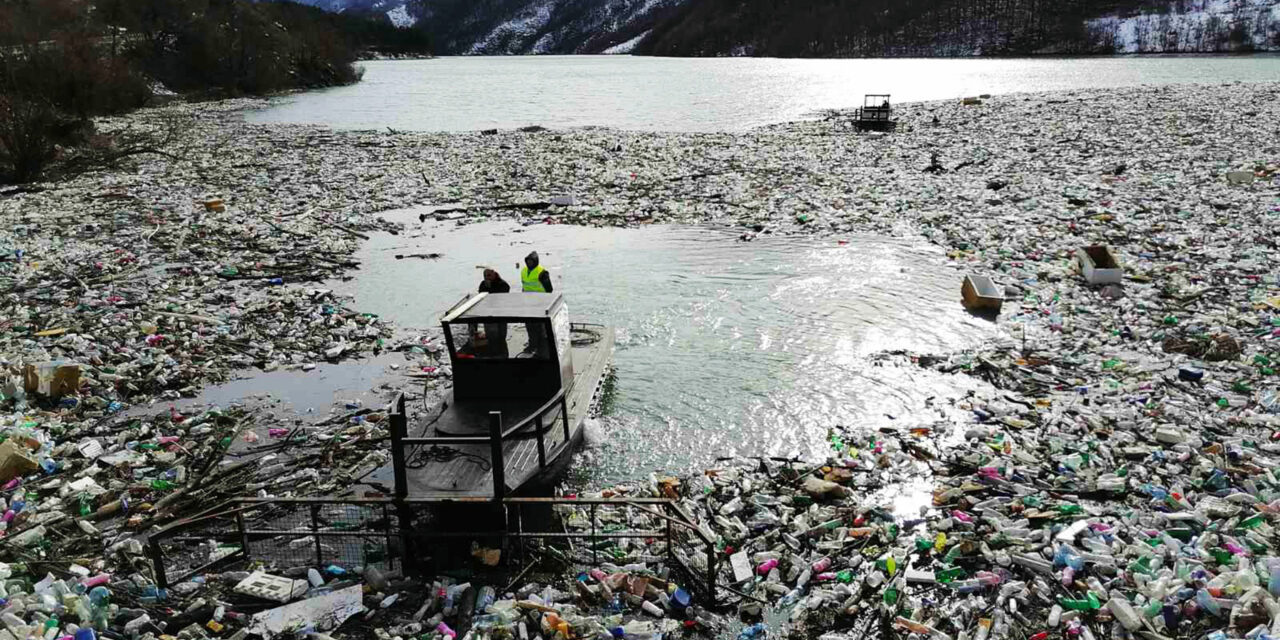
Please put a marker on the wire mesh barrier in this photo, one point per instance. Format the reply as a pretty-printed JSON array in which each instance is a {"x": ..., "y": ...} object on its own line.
[
  {"x": 321, "y": 532},
  {"x": 390, "y": 534},
  {"x": 280, "y": 533},
  {"x": 196, "y": 544},
  {"x": 587, "y": 532}
]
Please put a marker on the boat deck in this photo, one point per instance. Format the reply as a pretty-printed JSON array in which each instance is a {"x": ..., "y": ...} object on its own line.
[{"x": 462, "y": 472}]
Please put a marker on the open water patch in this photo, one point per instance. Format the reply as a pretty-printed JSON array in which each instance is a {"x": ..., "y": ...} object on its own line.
[{"x": 724, "y": 348}]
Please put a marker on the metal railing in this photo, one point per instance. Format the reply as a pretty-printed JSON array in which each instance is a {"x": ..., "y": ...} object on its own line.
[
  {"x": 678, "y": 531},
  {"x": 292, "y": 532},
  {"x": 280, "y": 532},
  {"x": 497, "y": 437}
]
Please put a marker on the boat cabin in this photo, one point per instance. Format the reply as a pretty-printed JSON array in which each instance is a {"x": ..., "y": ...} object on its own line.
[
  {"x": 516, "y": 409},
  {"x": 876, "y": 113},
  {"x": 509, "y": 346}
]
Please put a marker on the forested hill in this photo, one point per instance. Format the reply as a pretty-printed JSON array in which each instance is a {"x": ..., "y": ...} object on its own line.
[{"x": 834, "y": 27}]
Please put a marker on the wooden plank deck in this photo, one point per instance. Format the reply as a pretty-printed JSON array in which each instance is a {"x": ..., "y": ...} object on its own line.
[{"x": 465, "y": 474}]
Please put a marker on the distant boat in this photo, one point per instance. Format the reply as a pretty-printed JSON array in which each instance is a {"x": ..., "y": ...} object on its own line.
[{"x": 876, "y": 114}]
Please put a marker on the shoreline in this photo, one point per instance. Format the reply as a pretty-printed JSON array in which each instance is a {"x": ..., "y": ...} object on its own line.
[{"x": 158, "y": 291}]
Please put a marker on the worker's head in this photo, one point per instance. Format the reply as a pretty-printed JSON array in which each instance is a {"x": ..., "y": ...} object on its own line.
[
  {"x": 490, "y": 275},
  {"x": 531, "y": 260}
]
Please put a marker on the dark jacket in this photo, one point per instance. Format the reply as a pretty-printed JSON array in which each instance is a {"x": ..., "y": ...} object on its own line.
[{"x": 498, "y": 286}]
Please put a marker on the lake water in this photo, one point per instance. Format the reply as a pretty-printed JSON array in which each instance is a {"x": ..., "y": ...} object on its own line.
[
  {"x": 705, "y": 94},
  {"x": 723, "y": 347}
]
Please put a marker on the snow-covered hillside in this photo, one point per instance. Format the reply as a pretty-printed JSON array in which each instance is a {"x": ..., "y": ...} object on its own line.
[
  {"x": 566, "y": 26},
  {"x": 399, "y": 12},
  {"x": 789, "y": 27},
  {"x": 400, "y": 17},
  {"x": 1191, "y": 26}
]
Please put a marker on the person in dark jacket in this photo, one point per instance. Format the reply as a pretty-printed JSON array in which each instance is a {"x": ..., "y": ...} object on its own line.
[
  {"x": 495, "y": 332},
  {"x": 493, "y": 283}
]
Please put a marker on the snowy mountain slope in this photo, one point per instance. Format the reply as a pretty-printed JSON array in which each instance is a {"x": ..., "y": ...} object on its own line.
[
  {"x": 544, "y": 26},
  {"x": 831, "y": 28},
  {"x": 1193, "y": 26},
  {"x": 402, "y": 13}
]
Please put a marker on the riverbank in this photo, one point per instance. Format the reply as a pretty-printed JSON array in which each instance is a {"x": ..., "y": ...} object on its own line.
[{"x": 156, "y": 289}]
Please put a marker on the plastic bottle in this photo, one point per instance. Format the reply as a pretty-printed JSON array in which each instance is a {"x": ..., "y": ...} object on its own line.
[
  {"x": 970, "y": 585},
  {"x": 1206, "y": 602},
  {"x": 451, "y": 599},
  {"x": 1124, "y": 613},
  {"x": 757, "y": 630},
  {"x": 484, "y": 599},
  {"x": 136, "y": 624},
  {"x": 1055, "y": 615},
  {"x": 793, "y": 596}
]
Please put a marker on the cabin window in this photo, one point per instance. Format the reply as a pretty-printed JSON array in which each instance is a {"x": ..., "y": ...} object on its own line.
[
  {"x": 499, "y": 340},
  {"x": 560, "y": 327}
]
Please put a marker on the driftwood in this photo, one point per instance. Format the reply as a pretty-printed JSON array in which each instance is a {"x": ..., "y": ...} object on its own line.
[{"x": 533, "y": 206}]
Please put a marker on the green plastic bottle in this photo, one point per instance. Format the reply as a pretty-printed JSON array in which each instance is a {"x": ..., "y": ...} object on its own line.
[
  {"x": 1090, "y": 603},
  {"x": 952, "y": 554},
  {"x": 1253, "y": 522}
]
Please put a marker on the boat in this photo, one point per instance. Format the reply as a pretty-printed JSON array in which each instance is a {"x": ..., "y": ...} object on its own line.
[
  {"x": 525, "y": 380},
  {"x": 875, "y": 114}
]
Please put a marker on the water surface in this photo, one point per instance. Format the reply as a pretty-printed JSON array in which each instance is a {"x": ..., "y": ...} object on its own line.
[
  {"x": 723, "y": 347},
  {"x": 705, "y": 94}
]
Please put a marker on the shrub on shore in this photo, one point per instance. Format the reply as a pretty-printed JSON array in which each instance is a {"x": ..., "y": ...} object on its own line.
[{"x": 62, "y": 62}]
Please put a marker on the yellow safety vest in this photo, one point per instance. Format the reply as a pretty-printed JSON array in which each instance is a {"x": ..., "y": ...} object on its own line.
[{"x": 532, "y": 279}]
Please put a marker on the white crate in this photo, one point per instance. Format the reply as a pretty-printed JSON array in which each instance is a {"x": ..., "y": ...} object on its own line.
[{"x": 266, "y": 586}]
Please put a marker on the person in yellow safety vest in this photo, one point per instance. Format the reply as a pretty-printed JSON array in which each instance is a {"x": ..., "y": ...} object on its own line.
[{"x": 534, "y": 277}]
